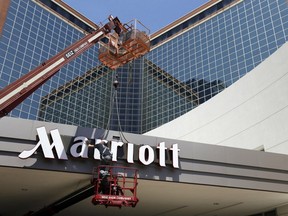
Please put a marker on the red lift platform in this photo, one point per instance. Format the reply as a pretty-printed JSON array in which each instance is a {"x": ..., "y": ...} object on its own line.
[{"x": 115, "y": 186}]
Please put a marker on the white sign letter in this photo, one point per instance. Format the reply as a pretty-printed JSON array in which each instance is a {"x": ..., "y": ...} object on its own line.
[
  {"x": 114, "y": 149},
  {"x": 162, "y": 149},
  {"x": 46, "y": 146},
  {"x": 142, "y": 158},
  {"x": 79, "y": 141},
  {"x": 175, "y": 150},
  {"x": 130, "y": 153}
]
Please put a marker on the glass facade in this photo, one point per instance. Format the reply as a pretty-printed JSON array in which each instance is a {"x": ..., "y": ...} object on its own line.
[
  {"x": 129, "y": 98},
  {"x": 80, "y": 101},
  {"x": 215, "y": 52},
  {"x": 188, "y": 64},
  {"x": 31, "y": 35}
]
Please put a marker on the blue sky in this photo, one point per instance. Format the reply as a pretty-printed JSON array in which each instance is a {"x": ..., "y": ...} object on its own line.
[{"x": 155, "y": 14}]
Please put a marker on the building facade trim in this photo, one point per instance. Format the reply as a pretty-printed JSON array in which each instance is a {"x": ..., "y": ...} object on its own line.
[
  {"x": 198, "y": 163},
  {"x": 187, "y": 17},
  {"x": 71, "y": 11}
]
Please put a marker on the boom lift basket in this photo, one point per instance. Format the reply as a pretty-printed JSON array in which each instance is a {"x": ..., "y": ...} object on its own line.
[
  {"x": 115, "y": 186},
  {"x": 129, "y": 45}
]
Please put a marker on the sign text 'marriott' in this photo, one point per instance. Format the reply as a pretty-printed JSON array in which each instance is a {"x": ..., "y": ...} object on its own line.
[{"x": 146, "y": 153}]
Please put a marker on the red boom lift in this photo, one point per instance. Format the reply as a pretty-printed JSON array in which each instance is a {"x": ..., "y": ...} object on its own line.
[{"x": 125, "y": 43}]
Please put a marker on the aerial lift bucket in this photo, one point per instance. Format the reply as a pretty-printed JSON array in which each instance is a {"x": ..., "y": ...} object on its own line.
[
  {"x": 121, "y": 48},
  {"x": 115, "y": 186}
]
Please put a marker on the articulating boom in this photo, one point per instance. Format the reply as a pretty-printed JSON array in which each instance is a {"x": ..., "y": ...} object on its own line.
[{"x": 127, "y": 44}]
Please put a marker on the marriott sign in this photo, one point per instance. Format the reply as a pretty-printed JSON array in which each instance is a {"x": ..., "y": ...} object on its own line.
[{"x": 146, "y": 154}]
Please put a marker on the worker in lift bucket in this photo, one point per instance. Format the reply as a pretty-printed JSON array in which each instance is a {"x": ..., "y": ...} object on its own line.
[
  {"x": 106, "y": 158},
  {"x": 105, "y": 153},
  {"x": 109, "y": 186}
]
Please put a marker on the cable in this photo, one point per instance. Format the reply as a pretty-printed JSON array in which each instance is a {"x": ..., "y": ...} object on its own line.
[
  {"x": 109, "y": 116},
  {"x": 114, "y": 100},
  {"x": 118, "y": 118},
  {"x": 115, "y": 84}
]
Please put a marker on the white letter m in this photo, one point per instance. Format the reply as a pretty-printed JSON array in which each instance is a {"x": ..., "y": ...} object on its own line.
[{"x": 46, "y": 146}]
